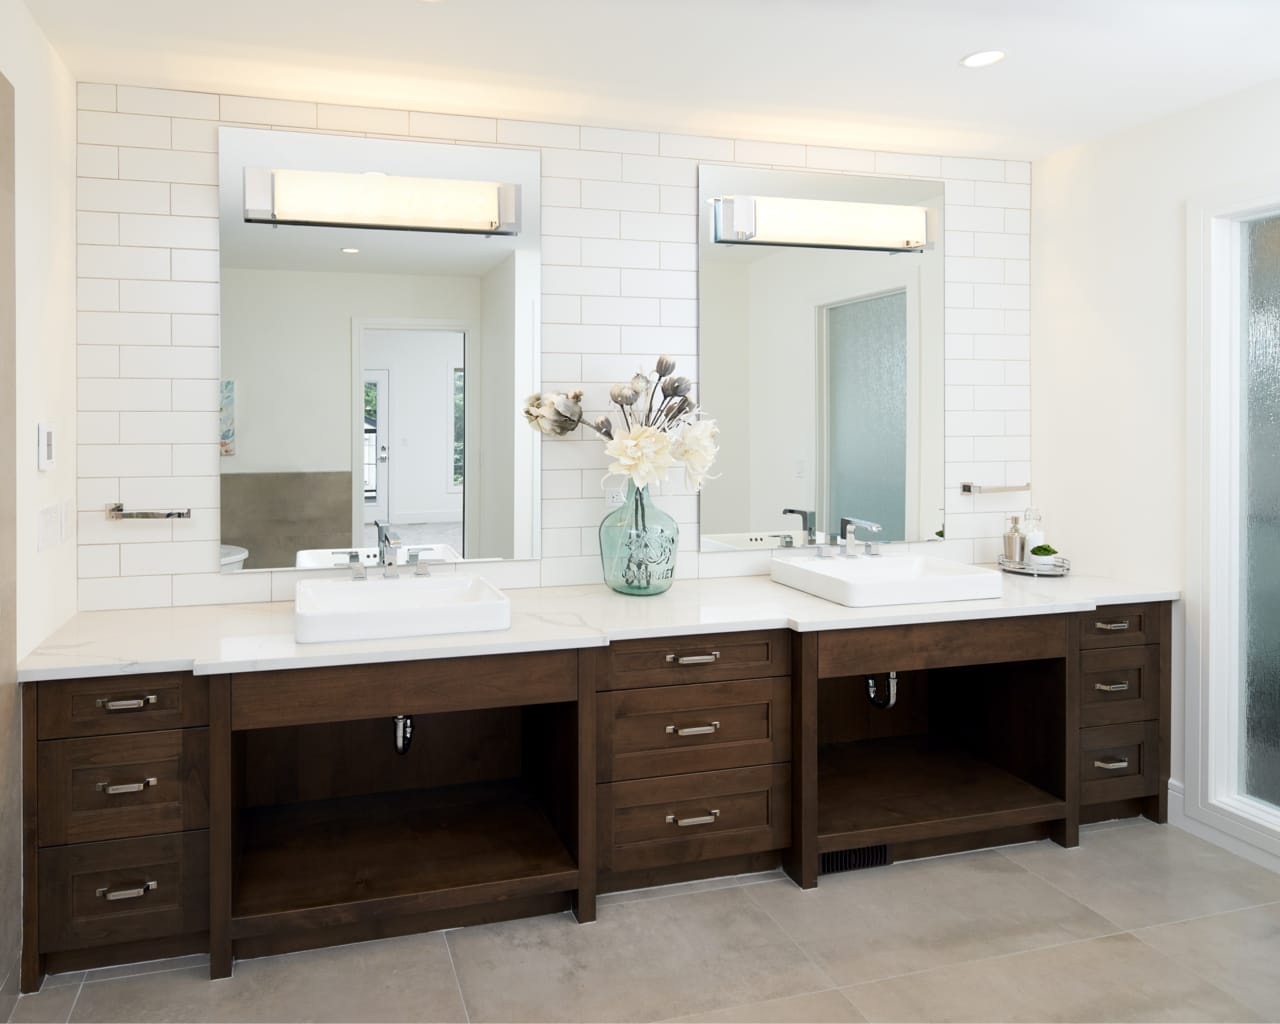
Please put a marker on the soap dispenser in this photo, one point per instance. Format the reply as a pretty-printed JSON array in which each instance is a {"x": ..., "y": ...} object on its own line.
[
  {"x": 1015, "y": 542},
  {"x": 1033, "y": 527}
]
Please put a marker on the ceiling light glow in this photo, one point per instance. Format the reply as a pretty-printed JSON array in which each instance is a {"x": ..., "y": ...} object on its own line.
[
  {"x": 983, "y": 59},
  {"x": 349, "y": 251}
]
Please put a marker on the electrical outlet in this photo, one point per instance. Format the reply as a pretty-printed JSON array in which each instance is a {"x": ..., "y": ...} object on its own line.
[
  {"x": 48, "y": 527},
  {"x": 614, "y": 498}
]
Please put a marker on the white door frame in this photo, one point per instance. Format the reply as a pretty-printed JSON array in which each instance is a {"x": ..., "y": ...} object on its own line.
[
  {"x": 1213, "y": 557},
  {"x": 358, "y": 327}
]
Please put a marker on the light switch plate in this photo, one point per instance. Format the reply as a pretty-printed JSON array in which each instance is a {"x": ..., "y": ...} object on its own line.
[{"x": 44, "y": 446}]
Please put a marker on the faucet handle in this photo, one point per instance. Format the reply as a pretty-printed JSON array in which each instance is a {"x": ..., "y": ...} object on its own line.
[
  {"x": 422, "y": 566},
  {"x": 354, "y": 561},
  {"x": 809, "y": 518}
]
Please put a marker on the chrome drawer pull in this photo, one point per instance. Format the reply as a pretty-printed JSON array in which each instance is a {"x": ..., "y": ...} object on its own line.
[
  {"x": 694, "y": 659},
  {"x": 131, "y": 704},
  {"x": 704, "y": 819},
  {"x": 1112, "y": 627},
  {"x": 693, "y": 730},
  {"x": 1112, "y": 766},
  {"x": 1119, "y": 686},
  {"x": 125, "y": 787},
  {"x": 128, "y": 894}
]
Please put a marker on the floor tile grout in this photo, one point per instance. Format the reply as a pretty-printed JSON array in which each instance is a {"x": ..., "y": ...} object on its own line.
[
  {"x": 1066, "y": 895},
  {"x": 794, "y": 941},
  {"x": 76, "y": 1001},
  {"x": 1203, "y": 978},
  {"x": 457, "y": 980}
]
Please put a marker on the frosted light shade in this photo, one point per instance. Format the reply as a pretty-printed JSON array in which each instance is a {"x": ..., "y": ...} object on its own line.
[
  {"x": 823, "y": 223},
  {"x": 387, "y": 201}
]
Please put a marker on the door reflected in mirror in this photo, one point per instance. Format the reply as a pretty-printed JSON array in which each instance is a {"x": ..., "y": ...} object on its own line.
[
  {"x": 825, "y": 367},
  {"x": 372, "y": 368}
]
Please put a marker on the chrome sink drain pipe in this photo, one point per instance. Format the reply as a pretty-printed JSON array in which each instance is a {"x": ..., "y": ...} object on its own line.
[{"x": 404, "y": 732}]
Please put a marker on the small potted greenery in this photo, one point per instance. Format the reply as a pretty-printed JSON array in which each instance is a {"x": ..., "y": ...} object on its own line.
[{"x": 1044, "y": 556}]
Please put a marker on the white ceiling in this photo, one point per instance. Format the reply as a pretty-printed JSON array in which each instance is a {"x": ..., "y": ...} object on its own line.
[{"x": 863, "y": 73}]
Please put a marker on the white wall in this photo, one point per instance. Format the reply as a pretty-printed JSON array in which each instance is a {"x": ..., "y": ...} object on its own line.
[
  {"x": 286, "y": 341},
  {"x": 491, "y": 497},
  {"x": 46, "y": 357},
  {"x": 44, "y": 367},
  {"x": 619, "y": 280},
  {"x": 1109, "y": 329}
]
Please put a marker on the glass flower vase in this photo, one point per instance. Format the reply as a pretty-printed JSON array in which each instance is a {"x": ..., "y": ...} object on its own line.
[{"x": 638, "y": 543}]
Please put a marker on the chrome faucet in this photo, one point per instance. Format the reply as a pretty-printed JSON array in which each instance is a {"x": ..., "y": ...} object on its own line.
[
  {"x": 848, "y": 523},
  {"x": 388, "y": 548},
  {"x": 809, "y": 520}
]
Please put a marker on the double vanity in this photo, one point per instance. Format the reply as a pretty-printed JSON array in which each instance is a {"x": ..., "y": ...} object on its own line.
[{"x": 197, "y": 780}]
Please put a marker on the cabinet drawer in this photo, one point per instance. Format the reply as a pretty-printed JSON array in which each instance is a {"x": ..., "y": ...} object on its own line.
[
  {"x": 1119, "y": 761},
  {"x": 113, "y": 787},
  {"x": 698, "y": 727},
  {"x": 1122, "y": 625},
  {"x": 687, "y": 818},
  {"x": 697, "y": 659},
  {"x": 101, "y": 707},
  {"x": 1119, "y": 685},
  {"x": 97, "y": 894}
]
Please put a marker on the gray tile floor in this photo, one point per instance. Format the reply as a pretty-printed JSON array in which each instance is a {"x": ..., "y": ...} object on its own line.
[{"x": 1141, "y": 922}]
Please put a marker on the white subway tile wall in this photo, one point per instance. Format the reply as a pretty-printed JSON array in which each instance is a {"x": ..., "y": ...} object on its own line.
[{"x": 619, "y": 281}]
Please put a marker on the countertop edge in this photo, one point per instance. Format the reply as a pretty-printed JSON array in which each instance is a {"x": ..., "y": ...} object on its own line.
[{"x": 224, "y": 639}]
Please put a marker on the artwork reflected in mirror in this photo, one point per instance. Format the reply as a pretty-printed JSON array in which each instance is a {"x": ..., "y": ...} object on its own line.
[
  {"x": 825, "y": 364},
  {"x": 366, "y": 371}
]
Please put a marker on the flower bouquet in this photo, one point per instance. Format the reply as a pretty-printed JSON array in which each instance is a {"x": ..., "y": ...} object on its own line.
[{"x": 660, "y": 426}]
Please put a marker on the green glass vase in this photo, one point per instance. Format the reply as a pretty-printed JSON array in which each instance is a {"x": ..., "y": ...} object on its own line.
[{"x": 638, "y": 543}]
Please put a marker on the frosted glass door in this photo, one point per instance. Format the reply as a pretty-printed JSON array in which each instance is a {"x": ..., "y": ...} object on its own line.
[
  {"x": 1260, "y": 508},
  {"x": 867, "y": 412}
]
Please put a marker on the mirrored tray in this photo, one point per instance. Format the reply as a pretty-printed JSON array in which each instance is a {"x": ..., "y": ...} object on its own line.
[{"x": 1060, "y": 567}]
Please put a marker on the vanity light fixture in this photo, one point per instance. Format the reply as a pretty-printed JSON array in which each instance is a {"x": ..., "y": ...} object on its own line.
[
  {"x": 374, "y": 200},
  {"x": 819, "y": 223},
  {"x": 349, "y": 251},
  {"x": 983, "y": 58}
]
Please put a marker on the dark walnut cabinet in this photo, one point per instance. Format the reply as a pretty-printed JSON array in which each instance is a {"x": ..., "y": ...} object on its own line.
[{"x": 257, "y": 813}]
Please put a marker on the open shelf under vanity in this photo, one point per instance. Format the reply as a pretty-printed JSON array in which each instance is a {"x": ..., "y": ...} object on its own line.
[
  {"x": 326, "y": 862},
  {"x": 963, "y": 750}
]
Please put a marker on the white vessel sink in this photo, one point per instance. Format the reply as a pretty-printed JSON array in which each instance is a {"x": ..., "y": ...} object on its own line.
[
  {"x": 337, "y": 558},
  {"x": 379, "y": 608},
  {"x": 864, "y": 582}
]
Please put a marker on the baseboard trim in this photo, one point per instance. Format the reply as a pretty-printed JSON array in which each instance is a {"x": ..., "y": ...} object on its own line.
[{"x": 1178, "y": 818}]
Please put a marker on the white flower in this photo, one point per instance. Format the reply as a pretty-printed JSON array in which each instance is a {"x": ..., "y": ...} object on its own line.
[
  {"x": 642, "y": 453},
  {"x": 696, "y": 447}
]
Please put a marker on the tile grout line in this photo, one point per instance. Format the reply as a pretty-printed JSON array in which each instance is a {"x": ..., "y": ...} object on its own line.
[
  {"x": 1194, "y": 970},
  {"x": 795, "y": 942},
  {"x": 984, "y": 959},
  {"x": 1154, "y": 924},
  {"x": 1061, "y": 891},
  {"x": 448, "y": 947},
  {"x": 76, "y": 1001}
]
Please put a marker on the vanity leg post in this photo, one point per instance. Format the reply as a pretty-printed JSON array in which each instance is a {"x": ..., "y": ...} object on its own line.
[
  {"x": 1156, "y": 807},
  {"x": 221, "y": 827},
  {"x": 584, "y": 898},
  {"x": 1067, "y": 832},
  {"x": 31, "y": 969},
  {"x": 801, "y": 860}
]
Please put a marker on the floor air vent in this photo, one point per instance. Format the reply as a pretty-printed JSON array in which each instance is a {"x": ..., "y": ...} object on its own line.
[{"x": 854, "y": 860}]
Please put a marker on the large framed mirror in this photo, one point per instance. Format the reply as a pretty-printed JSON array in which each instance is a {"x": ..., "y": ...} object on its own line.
[
  {"x": 371, "y": 374},
  {"x": 824, "y": 365}
]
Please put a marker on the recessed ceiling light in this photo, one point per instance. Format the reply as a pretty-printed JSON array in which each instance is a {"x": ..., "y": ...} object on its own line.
[
  {"x": 351, "y": 252},
  {"x": 983, "y": 58}
]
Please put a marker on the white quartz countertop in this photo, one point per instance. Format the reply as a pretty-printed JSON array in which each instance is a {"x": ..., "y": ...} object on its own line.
[{"x": 254, "y": 637}]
